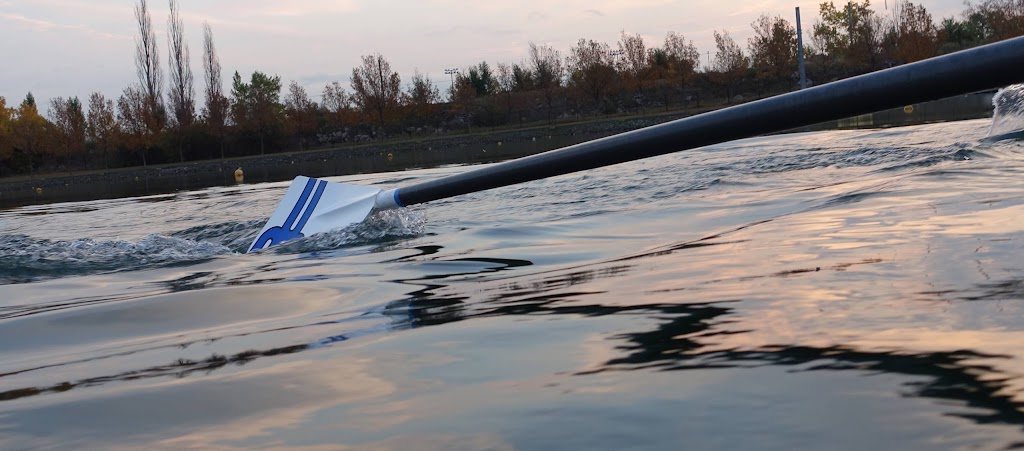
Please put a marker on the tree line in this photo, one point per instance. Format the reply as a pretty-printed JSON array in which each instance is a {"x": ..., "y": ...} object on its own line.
[{"x": 154, "y": 121}]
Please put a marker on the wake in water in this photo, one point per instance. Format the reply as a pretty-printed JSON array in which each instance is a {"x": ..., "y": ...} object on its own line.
[
  {"x": 26, "y": 259},
  {"x": 1008, "y": 118}
]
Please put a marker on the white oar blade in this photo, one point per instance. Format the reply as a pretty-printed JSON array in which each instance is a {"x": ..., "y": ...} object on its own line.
[{"x": 313, "y": 206}]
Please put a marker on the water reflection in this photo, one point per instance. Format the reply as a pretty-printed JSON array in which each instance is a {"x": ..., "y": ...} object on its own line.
[
  {"x": 952, "y": 375},
  {"x": 688, "y": 336},
  {"x": 1012, "y": 289},
  {"x": 691, "y": 335}
]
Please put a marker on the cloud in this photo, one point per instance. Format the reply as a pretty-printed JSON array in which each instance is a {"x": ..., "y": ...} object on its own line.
[
  {"x": 536, "y": 16},
  {"x": 620, "y": 5},
  {"x": 471, "y": 31},
  {"x": 42, "y": 25},
  {"x": 216, "y": 21},
  {"x": 299, "y": 9},
  {"x": 754, "y": 8},
  {"x": 593, "y": 12}
]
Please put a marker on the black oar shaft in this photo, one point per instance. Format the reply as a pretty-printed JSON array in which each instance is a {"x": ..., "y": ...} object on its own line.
[{"x": 987, "y": 67}]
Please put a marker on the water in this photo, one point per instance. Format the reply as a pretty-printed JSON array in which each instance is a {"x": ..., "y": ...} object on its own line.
[
  {"x": 838, "y": 290},
  {"x": 1009, "y": 111}
]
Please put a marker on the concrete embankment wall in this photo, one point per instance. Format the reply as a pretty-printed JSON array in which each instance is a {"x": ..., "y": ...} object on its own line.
[{"x": 970, "y": 106}]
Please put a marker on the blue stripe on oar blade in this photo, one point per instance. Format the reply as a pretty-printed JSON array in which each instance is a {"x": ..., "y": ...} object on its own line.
[{"x": 313, "y": 206}]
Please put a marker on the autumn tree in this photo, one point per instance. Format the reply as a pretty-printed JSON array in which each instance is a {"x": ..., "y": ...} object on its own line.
[
  {"x": 660, "y": 73},
  {"x": 1000, "y": 19},
  {"x": 591, "y": 69},
  {"x": 462, "y": 93},
  {"x": 5, "y": 130},
  {"x": 101, "y": 127},
  {"x": 852, "y": 34},
  {"x": 730, "y": 63},
  {"x": 377, "y": 88},
  {"x": 147, "y": 67},
  {"x": 256, "y": 107},
  {"x": 913, "y": 36},
  {"x": 216, "y": 110},
  {"x": 547, "y": 72},
  {"x": 337, "y": 104},
  {"x": 301, "y": 113},
  {"x": 633, "y": 63},
  {"x": 773, "y": 50},
  {"x": 507, "y": 85},
  {"x": 68, "y": 121},
  {"x": 132, "y": 113},
  {"x": 182, "y": 93},
  {"x": 833, "y": 32},
  {"x": 29, "y": 131},
  {"x": 422, "y": 97},
  {"x": 683, "y": 58}
]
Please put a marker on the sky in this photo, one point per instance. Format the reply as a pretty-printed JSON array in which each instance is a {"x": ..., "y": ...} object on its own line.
[{"x": 66, "y": 48}]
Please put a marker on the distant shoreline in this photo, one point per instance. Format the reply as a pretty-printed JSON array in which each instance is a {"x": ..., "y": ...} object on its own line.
[
  {"x": 407, "y": 154},
  {"x": 22, "y": 190}
]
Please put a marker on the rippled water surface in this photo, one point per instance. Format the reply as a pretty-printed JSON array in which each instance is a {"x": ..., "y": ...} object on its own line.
[{"x": 809, "y": 291}]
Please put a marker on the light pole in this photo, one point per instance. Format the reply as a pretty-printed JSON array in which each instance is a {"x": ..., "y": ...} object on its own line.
[
  {"x": 614, "y": 55},
  {"x": 451, "y": 73},
  {"x": 800, "y": 51}
]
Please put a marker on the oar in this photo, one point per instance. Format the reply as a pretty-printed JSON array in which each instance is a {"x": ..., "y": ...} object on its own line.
[{"x": 312, "y": 206}]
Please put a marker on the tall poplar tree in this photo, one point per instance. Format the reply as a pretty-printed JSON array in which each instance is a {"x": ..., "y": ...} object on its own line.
[
  {"x": 147, "y": 67},
  {"x": 215, "y": 113},
  {"x": 182, "y": 93}
]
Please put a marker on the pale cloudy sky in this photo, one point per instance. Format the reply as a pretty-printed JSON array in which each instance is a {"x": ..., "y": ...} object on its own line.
[{"x": 75, "y": 47}]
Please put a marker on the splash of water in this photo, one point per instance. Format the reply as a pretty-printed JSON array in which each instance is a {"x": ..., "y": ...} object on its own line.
[
  {"x": 380, "y": 227},
  {"x": 1009, "y": 113},
  {"x": 26, "y": 259},
  {"x": 236, "y": 235}
]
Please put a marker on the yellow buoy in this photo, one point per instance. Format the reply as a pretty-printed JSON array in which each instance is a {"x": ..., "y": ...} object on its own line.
[
  {"x": 39, "y": 191},
  {"x": 908, "y": 109},
  {"x": 390, "y": 156},
  {"x": 239, "y": 175}
]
